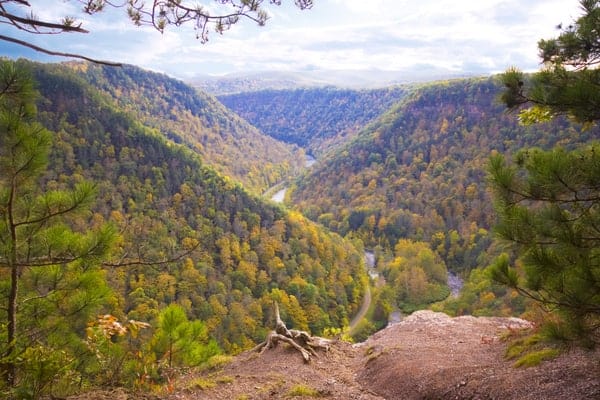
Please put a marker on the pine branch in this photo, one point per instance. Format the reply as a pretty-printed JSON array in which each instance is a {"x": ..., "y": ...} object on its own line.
[{"x": 36, "y": 23}]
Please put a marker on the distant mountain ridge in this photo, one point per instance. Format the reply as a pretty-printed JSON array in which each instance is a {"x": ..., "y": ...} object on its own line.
[
  {"x": 316, "y": 119},
  {"x": 344, "y": 79}
]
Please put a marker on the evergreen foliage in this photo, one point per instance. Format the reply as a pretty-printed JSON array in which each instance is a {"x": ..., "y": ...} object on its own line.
[
  {"x": 179, "y": 341},
  {"x": 549, "y": 207},
  {"x": 548, "y": 201},
  {"x": 50, "y": 278},
  {"x": 569, "y": 83}
]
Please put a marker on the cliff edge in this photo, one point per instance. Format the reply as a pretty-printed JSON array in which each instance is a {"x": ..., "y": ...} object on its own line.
[{"x": 427, "y": 355}]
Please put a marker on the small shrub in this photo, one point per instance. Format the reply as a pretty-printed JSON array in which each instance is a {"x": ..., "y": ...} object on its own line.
[{"x": 44, "y": 370}]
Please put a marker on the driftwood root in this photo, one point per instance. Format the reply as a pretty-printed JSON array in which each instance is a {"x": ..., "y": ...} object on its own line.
[{"x": 299, "y": 340}]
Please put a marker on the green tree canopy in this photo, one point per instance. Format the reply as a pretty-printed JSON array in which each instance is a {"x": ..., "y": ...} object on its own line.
[
  {"x": 179, "y": 341},
  {"x": 569, "y": 83},
  {"x": 548, "y": 202},
  {"x": 50, "y": 279},
  {"x": 416, "y": 275},
  {"x": 549, "y": 207}
]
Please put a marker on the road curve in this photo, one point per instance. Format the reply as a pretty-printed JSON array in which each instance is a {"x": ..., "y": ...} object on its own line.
[{"x": 362, "y": 311}]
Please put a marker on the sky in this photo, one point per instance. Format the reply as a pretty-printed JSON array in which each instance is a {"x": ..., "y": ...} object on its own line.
[{"x": 459, "y": 37}]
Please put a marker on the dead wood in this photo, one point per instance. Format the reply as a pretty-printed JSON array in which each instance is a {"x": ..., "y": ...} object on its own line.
[{"x": 302, "y": 341}]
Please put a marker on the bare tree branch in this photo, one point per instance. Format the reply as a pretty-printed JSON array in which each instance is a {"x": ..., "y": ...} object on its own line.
[
  {"x": 128, "y": 263},
  {"x": 158, "y": 14},
  {"x": 57, "y": 53}
]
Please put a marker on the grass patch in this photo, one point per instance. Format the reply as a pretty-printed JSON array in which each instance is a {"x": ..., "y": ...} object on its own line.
[
  {"x": 216, "y": 362},
  {"x": 303, "y": 390},
  {"x": 201, "y": 383},
  {"x": 522, "y": 345},
  {"x": 531, "y": 350},
  {"x": 536, "y": 357},
  {"x": 225, "y": 379}
]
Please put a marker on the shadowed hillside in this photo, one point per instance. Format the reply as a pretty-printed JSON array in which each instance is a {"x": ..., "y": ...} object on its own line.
[
  {"x": 188, "y": 116},
  {"x": 316, "y": 119}
]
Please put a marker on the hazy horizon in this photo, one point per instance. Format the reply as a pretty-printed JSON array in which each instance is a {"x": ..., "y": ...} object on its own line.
[{"x": 433, "y": 37}]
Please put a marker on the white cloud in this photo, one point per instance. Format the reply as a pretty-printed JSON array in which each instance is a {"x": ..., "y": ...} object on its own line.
[{"x": 482, "y": 36}]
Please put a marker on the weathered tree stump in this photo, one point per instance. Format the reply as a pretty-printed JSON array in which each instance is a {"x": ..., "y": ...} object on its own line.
[{"x": 300, "y": 340}]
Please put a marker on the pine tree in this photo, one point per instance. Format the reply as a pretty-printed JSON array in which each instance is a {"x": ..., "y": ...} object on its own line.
[
  {"x": 181, "y": 342},
  {"x": 549, "y": 207},
  {"x": 569, "y": 83},
  {"x": 549, "y": 202},
  {"x": 20, "y": 16},
  {"x": 49, "y": 273}
]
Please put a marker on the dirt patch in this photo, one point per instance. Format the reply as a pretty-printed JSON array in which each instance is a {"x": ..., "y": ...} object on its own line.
[
  {"x": 278, "y": 372},
  {"x": 433, "y": 356},
  {"x": 427, "y": 356}
]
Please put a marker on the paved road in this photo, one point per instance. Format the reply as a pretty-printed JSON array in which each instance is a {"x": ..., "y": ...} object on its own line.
[{"x": 362, "y": 311}]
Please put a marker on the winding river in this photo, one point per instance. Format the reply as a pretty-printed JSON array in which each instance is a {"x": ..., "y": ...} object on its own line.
[
  {"x": 280, "y": 194},
  {"x": 454, "y": 282}
]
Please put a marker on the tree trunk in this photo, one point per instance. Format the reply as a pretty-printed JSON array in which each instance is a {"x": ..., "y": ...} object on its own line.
[
  {"x": 8, "y": 368},
  {"x": 300, "y": 340},
  {"x": 9, "y": 365}
]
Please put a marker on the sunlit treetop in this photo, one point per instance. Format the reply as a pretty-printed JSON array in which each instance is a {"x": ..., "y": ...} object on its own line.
[{"x": 569, "y": 82}]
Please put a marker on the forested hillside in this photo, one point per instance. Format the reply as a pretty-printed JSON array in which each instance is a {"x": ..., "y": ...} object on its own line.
[
  {"x": 419, "y": 171},
  {"x": 315, "y": 119},
  {"x": 196, "y": 119},
  {"x": 161, "y": 194},
  {"x": 187, "y": 236}
]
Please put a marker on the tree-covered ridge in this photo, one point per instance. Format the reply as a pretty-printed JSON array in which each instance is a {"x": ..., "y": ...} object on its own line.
[
  {"x": 419, "y": 171},
  {"x": 188, "y": 116},
  {"x": 164, "y": 201},
  {"x": 313, "y": 118}
]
